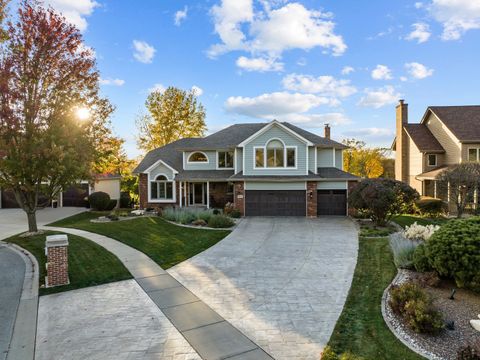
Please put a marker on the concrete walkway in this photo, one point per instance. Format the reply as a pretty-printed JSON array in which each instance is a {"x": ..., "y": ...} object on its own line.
[
  {"x": 281, "y": 281},
  {"x": 208, "y": 333}
]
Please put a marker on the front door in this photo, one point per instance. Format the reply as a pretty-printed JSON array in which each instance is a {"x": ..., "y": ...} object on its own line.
[{"x": 198, "y": 193}]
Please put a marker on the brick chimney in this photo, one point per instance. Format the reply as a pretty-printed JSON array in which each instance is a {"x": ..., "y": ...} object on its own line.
[
  {"x": 401, "y": 145},
  {"x": 327, "y": 131}
]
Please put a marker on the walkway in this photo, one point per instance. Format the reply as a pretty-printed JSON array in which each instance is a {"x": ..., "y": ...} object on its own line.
[{"x": 207, "y": 332}]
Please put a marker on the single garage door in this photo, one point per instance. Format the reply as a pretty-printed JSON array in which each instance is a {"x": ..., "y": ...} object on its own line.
[
  {"x": 275, "y": 203},
  {"x": 331, "y": 202},
  {"x": 76, "y": 195}
]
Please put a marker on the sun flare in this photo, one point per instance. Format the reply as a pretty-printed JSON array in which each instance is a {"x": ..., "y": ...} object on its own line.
[{"x": 82, "y": 113}]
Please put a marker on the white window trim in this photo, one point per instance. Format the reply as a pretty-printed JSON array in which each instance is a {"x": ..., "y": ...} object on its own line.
[
  {"x": 234, "y": 159},
  {"x": 284, "y": 167},
  {"x": 164, "y": 201},
  {"x": 478, "y": 153},
  {"x": 197, "y": 162},
  {"x": 428, "y": 159}
]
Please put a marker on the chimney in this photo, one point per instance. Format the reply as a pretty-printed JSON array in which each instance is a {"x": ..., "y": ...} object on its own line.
[
  {"x": 327, "y": 131},
  {"x": 401, "y": 144}
]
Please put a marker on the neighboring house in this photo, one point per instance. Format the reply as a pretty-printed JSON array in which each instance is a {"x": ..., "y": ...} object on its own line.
[
  {"x": 445, "y": 136},
  {"x": 266, "y": 169}
]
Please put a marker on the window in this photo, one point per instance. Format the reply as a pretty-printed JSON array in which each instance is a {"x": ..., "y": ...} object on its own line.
[
  {"x": 259, "y": 157},
  {"x": 291, "y": 157},
  {"x": 474, "y": 154},
  {"x": 275, "y": 155},
  {"x": 198, "y": 157},
  {"x": 225, "y": 159},
  {"x": 432, "y": 160},
  {"x": 161, "y": 188}
]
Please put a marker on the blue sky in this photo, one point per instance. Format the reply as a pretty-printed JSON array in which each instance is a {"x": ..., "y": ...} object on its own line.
[{"x": 309, "y": 62}]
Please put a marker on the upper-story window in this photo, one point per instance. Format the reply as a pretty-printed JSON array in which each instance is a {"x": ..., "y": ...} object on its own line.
[
  {"x": 474, "y": 154},
  {"x": 275, "y": 155},
  {"x": 432, "y": 160},
  {"x": 225, "y": 159},
  {"x": 198, "y": 157},
  {"x": 161, "y": 188}
]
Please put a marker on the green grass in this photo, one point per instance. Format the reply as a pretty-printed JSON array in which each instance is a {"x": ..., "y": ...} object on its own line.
[
  {"x": 361, "y": 329},
  {"x": 371, "y": 230},
  {"x": 163, "y": 242},
  {"x": 407, "y": 220},
  {"x": 89, "y": 264}
]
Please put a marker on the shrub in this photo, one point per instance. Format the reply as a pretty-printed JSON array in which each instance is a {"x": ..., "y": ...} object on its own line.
[
  {"x": 220, "y": 221},
  {"x": 125, "y": 200},
  {"x": 420, "y": 259},
  {"x": 431, "y": 207},
  {"x": 229, "y": 207},
  {"x": 186, "y": 215},
  {"x": 415, "y": 306},
  {"x": 216, "y": 211},
  {"x": 112, "y": 217},
  {"x": 112, "y": 205},
  {"x": 429, "y": 279},
  {"x": 204, "y": 215},
  {"x": 469, "y": 353},
  {"x": 454, "y": 251},
  {"x": 420, "y": 232},
  {"x": 380, "y": 199},
  {"x": 403, "y": 250},
  {"x": 99, "y": 201},
  {"x": 235, "y": 214}
]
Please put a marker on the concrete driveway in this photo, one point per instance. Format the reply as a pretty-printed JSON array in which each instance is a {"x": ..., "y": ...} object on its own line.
[
  {"x": 14, "y": 221},
  {"x": 282, "y": 281}
]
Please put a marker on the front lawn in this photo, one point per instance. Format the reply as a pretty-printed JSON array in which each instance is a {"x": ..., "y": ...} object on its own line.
[
  {"x": 361, "y": 329},
  {"x": 407, "y": 220},
  {"x": 163, "y": 242},
  {"x": 89, "y": 264}
]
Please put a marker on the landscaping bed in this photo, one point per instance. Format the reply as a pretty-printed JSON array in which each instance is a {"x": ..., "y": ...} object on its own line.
[
  {"x": 200, "y": 217},
  {"x": 369, "y": 229}
]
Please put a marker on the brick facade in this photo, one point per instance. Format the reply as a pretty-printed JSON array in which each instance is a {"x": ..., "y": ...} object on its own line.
[
  {"x": 239, "y": 197},
  {"x": 311, "y": 198},
  {"x": 143, "y": 195},
  {"x": 57, "y": 266}
]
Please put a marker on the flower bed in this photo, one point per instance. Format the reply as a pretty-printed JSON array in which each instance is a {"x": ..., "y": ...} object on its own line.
[{"x": 198, "y": 217}]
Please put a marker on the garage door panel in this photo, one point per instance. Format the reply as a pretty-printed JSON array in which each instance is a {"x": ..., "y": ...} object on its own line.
[
  {"x": 275, "y": 203},
  {"x": 331, "y": 202}
]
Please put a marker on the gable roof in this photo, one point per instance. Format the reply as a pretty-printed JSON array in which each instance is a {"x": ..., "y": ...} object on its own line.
[
  {"x": 423, "y": 138},
  {"x": 462, "y": 121}
]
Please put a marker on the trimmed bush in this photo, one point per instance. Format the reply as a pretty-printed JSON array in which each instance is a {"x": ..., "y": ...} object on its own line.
[
  {"x": 99, "y": 201},
  {"x": 431, "y": 207},
  {"x": 235, "y": 214},
  {"x": 454, "y": 251},
  {"x": 125, "y": 200},
  {"x": 420, "y": 259},
  {"x": 220, "y": 221}
]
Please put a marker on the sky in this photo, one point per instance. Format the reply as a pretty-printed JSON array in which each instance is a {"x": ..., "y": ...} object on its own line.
[{"x": 342, "y": 62}]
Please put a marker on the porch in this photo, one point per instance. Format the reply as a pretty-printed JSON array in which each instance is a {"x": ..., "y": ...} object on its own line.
[{"x": 209, "y": 194}]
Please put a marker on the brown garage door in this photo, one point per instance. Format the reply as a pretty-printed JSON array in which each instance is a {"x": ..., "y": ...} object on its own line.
[
  {"x": 275, "y": 203},
  {"x": 332, "y": 202},
  {"x": 76, "y": 196}
]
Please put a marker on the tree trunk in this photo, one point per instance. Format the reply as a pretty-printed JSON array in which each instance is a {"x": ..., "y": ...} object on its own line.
[{"x": 32, "y": 221}]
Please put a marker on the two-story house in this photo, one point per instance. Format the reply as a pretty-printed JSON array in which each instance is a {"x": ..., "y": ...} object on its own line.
[
  {"x": 265, "y": 169},
  {"x": 445, "y": 136}
]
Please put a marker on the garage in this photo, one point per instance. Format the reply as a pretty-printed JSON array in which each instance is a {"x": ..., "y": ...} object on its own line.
[
  {"x": 275, "y": 203},
  {"x": 8, "y": 201},
  {"x": 332, "y": 202},
  {"x": 76, "y": 196}
]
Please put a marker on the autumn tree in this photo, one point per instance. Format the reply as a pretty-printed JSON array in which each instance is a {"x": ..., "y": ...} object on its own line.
[
  {"x": 3, "y": 15},
  {"x": 172, "y": 114},
  {"x": 47, "y": 79},
  {"x": 362, "y": 161}
]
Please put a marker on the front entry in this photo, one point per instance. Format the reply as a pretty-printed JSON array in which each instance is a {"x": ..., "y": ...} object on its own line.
[
  {"x": 198, "y": 196},
  {"x": 332, "y": 202},
  {"x": 275, "y": 203}
]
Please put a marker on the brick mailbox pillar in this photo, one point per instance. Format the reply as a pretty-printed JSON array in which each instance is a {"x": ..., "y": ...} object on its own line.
[{"x": 56, "y": 250}]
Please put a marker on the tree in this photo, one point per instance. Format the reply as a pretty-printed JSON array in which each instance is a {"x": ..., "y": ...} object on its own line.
[
  {"x": 362, "y": 161},
  {"x": 172, "y": 114},
  {"x": 47, "y": 78},
  {"x": 461, "y": 181},
  {"x": 381, "y": 199},
  {"x": 3, "y": 15}
]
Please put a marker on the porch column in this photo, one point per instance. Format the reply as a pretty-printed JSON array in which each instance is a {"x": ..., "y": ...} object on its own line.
[
  {"x": 208, "y": 195},
  {"x": 435, "y": 189},
  {"x": 180, "y": 188}
]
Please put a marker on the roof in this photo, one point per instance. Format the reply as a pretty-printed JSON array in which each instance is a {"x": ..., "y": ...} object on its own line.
[
  {"x": 204, "y": 175},
  {"x": 335, "y": 173},
  {"x": 324, "y": 173},
  {"x": 107, "y": 176},
  {"x": 432, "y": 174},
  {"x": 462, "y": 121},
  {"x": 423, "y": 138}
]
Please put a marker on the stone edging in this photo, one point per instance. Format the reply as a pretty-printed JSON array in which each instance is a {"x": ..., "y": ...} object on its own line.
[
  {"x": 22, "y": 344},
  {"x": 396, "y": 327}
]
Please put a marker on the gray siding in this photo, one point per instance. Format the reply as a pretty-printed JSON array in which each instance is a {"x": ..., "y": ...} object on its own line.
[
  {"x": 338, "y": 159},
  {"x": 289, "y": 140},
  {"x": 332, "y": 185},
  {"x": 300, "y": 185},
  {"x": 160, "y": 169},
  {"x": 239, "y": 160},
  {"x": 211, "y": 165},
  {"x": 325, "y": 157},
  {"x": 311, "y": 159}
]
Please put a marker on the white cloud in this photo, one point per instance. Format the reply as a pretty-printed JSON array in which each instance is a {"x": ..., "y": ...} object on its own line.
[
  {"x": 372, "y": 132},
  {"x": 382, "y": 72},
  {"x": 403, "y": 78},
  {"x": 143, "y": 51},
  {"x": 421, "y": 33},
  {"x": 418, "y": 5},
  {"x": 181, "y": 15},
  {"x": 197, "y": 90},
  {"x": 347, "y": 70},
  {"x": 377, "y": 98},
  {"x": 273, "y": 31},
  {"x": 114, "y": 82},
  {"x": 75, "y": 11},
  {"x": 456, "y": 16},
  {"x": 157, "y": 87},
  {"x": 324, "y": 85},
  {"x": 260, "y": 64},
  {"x": 302, "y": 61},
  {"x": 418, "y": 71},
  {"x": 274, "y": 105}
]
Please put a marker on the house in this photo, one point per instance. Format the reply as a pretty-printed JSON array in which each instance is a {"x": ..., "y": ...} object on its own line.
[
  {"x": 445, "y": 136},
  {"x": 265, "y": 169}
]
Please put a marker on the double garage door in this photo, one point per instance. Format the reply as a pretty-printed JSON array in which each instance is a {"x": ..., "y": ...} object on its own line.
[{"x": 293, "y": 202}]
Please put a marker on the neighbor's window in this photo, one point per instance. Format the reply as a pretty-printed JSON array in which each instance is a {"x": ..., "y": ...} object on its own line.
[
  {"x": 432, "y": 160},
  {"x": 225, "y": 159},
  {"x": 290, "y": 157},
  {"x": 259, "y": 157},
  {"x": 161, "y": 188},
  {"x": 275, "y": 154},
  {"x": 474, "y": 154},
  {"x": 198, "y": 157}
]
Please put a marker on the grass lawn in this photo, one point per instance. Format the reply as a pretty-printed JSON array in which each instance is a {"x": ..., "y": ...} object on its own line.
[
  {"x": 407, "y": 220},
  {"x": 89, "y": 264},
  {"x": 369, "y": 229},
  {"x": 361, "y": 329},
  {"x": 165, "y": 243}
]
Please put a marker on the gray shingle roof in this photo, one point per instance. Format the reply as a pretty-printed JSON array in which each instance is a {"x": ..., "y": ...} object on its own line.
[
  {"x": 423, "y": 138},
  {"x": 335, "y": 173},
  {"x": 310, "y": 176},
  {"x": 463, "y": 121},
  {"x": 204, "y": 175}
]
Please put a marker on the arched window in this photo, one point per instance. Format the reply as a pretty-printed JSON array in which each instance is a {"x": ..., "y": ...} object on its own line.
[
  {"x": 161, "y": 188},
  {"x": 198, "y": 157},
  {"x": 275, "y": 153}
]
